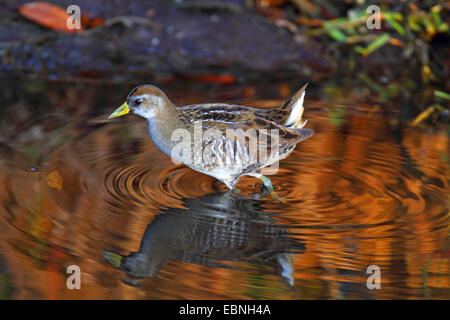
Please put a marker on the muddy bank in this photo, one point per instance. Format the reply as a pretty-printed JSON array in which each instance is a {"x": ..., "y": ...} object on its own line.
[{"x": 187, "y": 38}]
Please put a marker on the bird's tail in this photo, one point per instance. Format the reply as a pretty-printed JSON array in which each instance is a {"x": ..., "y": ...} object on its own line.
[{"x": 295, "y": 106}]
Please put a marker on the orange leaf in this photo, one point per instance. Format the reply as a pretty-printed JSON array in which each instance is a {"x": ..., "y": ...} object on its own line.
[
  {"x": 270, "y": 3},
  {"x": 89, "y": 22},
  {"x": 95, "y": 22},
  {"x": 55, "y": 180},
  {"x": 47, "y": 15},
  {"x": 396, "y": 42},
  {"x": 222, "y": 79}
]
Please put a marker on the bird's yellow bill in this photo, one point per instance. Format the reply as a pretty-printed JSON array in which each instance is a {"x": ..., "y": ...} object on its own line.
[{"x": 122, "y": 110}]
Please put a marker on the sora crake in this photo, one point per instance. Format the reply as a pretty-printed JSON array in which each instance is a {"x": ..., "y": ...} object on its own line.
[{"x": 234, "y": 140}]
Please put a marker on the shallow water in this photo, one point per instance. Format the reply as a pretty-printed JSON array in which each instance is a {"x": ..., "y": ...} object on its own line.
[{"x": 78, "y": 190}]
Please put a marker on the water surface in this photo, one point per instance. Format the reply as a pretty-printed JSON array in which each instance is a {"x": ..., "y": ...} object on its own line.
[{"x": 76, "y": 189}]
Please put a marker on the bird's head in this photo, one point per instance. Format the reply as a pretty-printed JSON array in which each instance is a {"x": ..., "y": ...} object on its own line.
[{"x": 146, "y": 101}]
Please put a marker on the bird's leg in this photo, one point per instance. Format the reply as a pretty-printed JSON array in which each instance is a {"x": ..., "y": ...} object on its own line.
[
  {"x": 232, "y": 190},
  {"x": 268, "y": 184},
  {"x": 231, "y": 186}
]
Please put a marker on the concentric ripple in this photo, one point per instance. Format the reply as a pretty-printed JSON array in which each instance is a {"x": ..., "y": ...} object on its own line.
[{"x": 357, "y": 193}]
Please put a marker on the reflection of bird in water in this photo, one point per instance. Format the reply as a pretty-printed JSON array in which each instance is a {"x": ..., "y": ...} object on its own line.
[
  {"x": 237, "y": 141},
  {"x": 215, "y": 230}
]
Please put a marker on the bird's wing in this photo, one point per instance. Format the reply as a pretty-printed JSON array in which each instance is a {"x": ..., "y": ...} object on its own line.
[
  {"x": 222, "y": 117},
  {"x": 235, "y": 133},
  {"x": 219, "y": 112}
]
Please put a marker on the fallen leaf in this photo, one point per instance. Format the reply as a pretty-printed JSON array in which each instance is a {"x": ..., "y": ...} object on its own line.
[
  {"x": 47, "y": 15},
  {"x": 95, "y": 22},
  {"x": 222, "y": 79},
  {"x": 88, "y": 21},
  {"x": 270, "y": 3},
  {"x": 55, "y": 180},
  {"x": 423, "y": 115},
  {"x": 396, "y": 42}
]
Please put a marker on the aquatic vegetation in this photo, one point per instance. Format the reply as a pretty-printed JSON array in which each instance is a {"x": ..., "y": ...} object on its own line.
[
  {"x": 410, "y": 28},
  {"x": 391, "y": 48}
]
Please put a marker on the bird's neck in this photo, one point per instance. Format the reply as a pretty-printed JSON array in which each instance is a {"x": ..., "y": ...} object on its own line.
[{"x": 161, "y": 128}]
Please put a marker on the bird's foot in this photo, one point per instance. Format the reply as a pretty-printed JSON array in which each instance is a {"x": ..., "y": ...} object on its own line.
[{"x": 268, "y": 184}]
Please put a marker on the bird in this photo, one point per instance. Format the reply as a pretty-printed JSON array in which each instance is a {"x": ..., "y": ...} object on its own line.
[{"x": 225, "y": 141}]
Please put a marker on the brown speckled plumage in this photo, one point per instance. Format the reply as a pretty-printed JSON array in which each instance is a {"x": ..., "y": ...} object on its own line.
[{"x": 164, "y": 117}]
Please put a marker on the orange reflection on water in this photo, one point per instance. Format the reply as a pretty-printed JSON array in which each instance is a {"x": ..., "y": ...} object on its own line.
[{"x": 362, "y": 191}]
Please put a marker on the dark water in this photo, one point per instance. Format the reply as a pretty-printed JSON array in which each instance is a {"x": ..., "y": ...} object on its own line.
[{"x": 78, "y": 190}]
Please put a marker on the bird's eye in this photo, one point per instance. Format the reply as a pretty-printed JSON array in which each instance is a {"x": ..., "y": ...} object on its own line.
[{"x": 138, "y": 102}]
